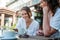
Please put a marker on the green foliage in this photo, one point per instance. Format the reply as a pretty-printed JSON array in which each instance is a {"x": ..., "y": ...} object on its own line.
[
  {"x": 10, "y": 28},
  {"x": 13, "y": 27}
]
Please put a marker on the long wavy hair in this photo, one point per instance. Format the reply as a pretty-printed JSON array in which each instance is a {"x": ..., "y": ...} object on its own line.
[{"x": 53, "y": 5}]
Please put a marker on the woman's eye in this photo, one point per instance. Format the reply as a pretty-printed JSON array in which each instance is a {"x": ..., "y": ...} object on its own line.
[
  {"x": 22, "y": 14},
  {"x": 25, "y": 13}
]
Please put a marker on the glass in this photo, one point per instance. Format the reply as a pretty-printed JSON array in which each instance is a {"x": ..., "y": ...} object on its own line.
[{"x": 1, "y": 32}]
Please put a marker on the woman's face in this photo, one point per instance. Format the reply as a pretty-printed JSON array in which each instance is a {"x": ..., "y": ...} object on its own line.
[
  {"x": 24, "y": 14},
  {"x": 43, "y": 3}
]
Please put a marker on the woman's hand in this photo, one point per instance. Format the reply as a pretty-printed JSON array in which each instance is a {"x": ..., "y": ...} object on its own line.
[
  {"x": 45, "y": 10},
  {"x": 15, "y": 30},
  {"x": 40, "y": 33}
]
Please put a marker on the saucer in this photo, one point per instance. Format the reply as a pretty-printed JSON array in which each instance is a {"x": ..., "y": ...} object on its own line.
[{"x": 9, "y": 38}]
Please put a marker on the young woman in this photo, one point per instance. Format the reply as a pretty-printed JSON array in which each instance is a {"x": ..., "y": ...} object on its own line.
[
  {"x": 26, "y": 25},
  {"x": 51, "y": 18}
]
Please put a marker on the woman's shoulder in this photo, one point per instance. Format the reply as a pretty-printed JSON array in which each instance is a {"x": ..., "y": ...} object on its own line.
[
  {"x": 35, "y": 21},
  {"x": 58, "y": 9},
  {"x": 57, "y": 12},
  {"x": 35, "y": 24},
  {"x": 20, "y": 19}
]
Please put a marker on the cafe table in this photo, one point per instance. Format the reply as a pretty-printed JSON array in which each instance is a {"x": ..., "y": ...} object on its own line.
[
  {"x": 33, "y": 38},
  {"x": 38, "y": 38}
]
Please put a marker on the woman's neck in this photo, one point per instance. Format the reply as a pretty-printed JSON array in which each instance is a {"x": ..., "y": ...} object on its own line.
[{"x": 28, "y": 20}]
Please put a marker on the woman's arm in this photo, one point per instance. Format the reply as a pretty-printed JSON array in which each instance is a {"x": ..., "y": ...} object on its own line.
[{"x": 47, "y": 30}]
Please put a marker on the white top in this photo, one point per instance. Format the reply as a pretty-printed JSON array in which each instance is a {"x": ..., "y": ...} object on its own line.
[
  {"x": 55, "y": 23},
  {"x": 55, "y": 20},
  {"x": 31, "y": 31}
]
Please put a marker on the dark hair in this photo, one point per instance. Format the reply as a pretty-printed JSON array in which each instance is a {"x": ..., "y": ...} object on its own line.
[
  {"x": 53, "y": 5},
  {"x": 27, "y": 9}
]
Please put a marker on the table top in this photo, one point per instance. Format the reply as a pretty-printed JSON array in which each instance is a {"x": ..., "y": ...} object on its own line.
[{"x": 35, "y": 38}]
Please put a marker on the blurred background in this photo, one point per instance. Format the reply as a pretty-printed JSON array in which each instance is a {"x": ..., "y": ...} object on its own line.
[{"x": 10, "y": 11}]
